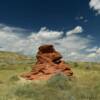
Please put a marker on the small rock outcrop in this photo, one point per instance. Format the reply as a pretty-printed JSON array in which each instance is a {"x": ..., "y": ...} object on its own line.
[{"x": 48, "y": 63}]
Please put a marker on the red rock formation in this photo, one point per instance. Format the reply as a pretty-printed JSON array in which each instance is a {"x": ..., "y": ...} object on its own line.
[{"x": 48, "y": 63}]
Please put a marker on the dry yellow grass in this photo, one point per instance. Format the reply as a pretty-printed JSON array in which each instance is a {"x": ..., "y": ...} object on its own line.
[{"x": 85, "y": 85}]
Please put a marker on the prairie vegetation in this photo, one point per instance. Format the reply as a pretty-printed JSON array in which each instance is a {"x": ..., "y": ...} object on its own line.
[{"x": 84, "y": 86}]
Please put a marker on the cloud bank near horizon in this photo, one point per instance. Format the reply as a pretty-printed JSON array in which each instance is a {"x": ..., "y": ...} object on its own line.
[{"x": 71, "y": 43}]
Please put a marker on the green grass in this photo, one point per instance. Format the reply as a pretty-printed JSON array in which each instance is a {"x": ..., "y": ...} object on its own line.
[{"x": 84, "y": 86}]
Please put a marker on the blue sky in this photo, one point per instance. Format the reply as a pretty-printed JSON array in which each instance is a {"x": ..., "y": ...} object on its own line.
[{"x": 73, "y": 26}]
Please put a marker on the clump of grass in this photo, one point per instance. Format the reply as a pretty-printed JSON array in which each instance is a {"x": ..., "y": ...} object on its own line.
[
  {"x": 53, "y": 89},
  {"x": 14, "y": 78},
  {"x": 59, "y": 87},
  {"x": 27, "y": 90},
  {"x": 1, "y": 82},
  {"x": 59, "y": 81}
]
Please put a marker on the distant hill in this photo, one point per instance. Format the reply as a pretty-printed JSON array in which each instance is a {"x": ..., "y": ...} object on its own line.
[
  {"x": 12, "y": 55},
  {"x": 11, "y": 59}
]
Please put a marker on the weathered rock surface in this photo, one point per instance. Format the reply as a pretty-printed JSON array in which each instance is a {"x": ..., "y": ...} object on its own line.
[{"x": 48, "y": 63}]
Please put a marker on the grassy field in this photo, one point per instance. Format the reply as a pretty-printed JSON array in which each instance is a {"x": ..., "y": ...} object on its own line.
[{"x": 84, "y": 86}]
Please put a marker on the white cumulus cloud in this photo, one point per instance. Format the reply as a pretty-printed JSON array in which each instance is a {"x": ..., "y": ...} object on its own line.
[
  {"x": 76, "y": 30},
  {"x": 98, "y": 51},
  {"x": 94, "y": 49},
  {"x": 91, "y": 55},
  {"x": 95, "y": 4},
  {"x": 45, "y": 33}
]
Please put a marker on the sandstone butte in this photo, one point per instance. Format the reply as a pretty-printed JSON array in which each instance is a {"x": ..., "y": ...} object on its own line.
[{"x": 49, "y": 62}]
